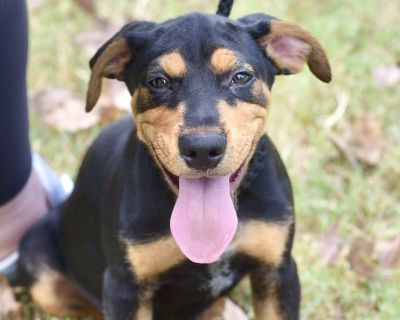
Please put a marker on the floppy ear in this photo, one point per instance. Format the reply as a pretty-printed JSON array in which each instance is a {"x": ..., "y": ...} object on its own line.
[
  {"x": 112, "y": 58},
  {"x": 108, "y": 62},
  {"x": 288, "y": 46}
]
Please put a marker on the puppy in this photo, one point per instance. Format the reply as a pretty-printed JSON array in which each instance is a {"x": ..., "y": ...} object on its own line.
[{"x": 172, "y": 208}]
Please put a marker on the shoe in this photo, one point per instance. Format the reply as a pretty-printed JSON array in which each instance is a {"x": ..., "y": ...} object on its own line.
[{"x": 57, "y": 189}]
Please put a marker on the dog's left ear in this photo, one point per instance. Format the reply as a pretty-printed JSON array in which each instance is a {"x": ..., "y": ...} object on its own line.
[{"x": 288, "y": 45}]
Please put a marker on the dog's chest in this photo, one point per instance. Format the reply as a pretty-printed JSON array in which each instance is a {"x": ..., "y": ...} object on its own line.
[
  {"x": 190, "y": 280},
  {"x": 222, "y": 276},
  {"x": 256, "y": 239}
]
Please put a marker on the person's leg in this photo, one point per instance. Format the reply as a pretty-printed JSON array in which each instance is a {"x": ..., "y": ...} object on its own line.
[
  {"x": 15, "y": 154},
  {"x": 22, "y": 198}
]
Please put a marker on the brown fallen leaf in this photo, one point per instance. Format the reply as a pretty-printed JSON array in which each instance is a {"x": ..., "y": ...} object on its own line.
[
  {"x": 363, "y": 141},
  {"x": 9, "y": 307},
  {"x": 388, "y": 253},
  {"x": 339, "y": 313},
  {"x": 361, "y": 257},
  {"x": 386, "y": 76},
  {"x": 60, "y": 109},
  {"x": 115, "y": 94},
  {"x": 114, "y": 101},
  {"x": 88, "y": 6},
  {"x": 35, "y": 4},
  {"x": 91, "y": 41},
  {"x": 330, "y": 244},
  {"x": 367, "y": 140},
  {"x": 342, "y": 145}
]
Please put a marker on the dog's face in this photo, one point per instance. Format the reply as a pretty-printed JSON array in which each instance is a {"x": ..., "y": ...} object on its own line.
[{"x": 200, "y": 86}]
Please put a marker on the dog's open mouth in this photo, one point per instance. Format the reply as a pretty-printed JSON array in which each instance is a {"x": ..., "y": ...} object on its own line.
[
  {"x": 234, "y": 179},
  {"x": 204, "y": 220}
]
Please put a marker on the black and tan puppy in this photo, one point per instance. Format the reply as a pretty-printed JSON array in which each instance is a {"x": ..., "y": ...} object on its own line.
[{"x": 170, "y": 211}]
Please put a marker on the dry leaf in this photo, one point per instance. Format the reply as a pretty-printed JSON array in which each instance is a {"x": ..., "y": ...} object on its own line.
[
  {"x": 115, "y": 94},
  {"x": 88, "y": 6},
  {"x": 386, "y": 76},
  {"x": 361, "y": 142},
  {"x": 388, "y": 253},
  {"x": 92, "y": 41},
  {"x": 114, "y": 100},
  {"x": 338, "y": 313},
  {"x": 35, "y": 4},
  {"x": 330, "y": 244},
  {"x": 60, "y": 109},
  {"x": 361, "y": 258},
  {"x": 367, "y": 140},
  {"x": 341, "y": 143},
  {"x": 9, "y": 307}
]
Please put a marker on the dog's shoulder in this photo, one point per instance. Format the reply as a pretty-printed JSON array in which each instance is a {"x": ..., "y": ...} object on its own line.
[{"x": 114, "y": 136}]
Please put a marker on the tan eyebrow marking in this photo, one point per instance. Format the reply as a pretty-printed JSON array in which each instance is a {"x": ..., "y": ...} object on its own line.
[
  {"x": 173, "y": 64},
  {"x": 223, "y": 60}
]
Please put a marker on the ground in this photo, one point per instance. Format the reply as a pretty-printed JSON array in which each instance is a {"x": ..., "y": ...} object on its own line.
[{"x": 347, "y": 211}]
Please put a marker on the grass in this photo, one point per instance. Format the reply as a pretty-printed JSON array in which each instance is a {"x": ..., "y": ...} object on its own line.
[{"x": 358, "y": 36}]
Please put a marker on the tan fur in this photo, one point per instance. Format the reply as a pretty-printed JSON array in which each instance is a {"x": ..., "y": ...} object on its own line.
[
  {"x": 257, "y": 89},
  {"x": 145, "y": 311},
  {"x": 58, "y": 296},
  {"x": 267, "y": 309},
  {"x": 223, "y": 60},
  {"x": 140, "y": 96},
  {"x": 173, "y": 64},
  {"x": 310, "y": 51},
  {"x": 265, "y": 306},
  {"x": 159, "y": 129},
  {"x": 263, "y": 241},
  {"x": 135, "y": 101},
  {"x": 110, "y": 63},
  {"x": 148, "y": 260},
  {"x": 244, "y": 124}
]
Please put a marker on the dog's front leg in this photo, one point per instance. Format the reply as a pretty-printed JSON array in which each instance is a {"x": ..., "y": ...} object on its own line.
[
  {"x": 124, "y": 299},
  {"x": 276, "y": 291}
]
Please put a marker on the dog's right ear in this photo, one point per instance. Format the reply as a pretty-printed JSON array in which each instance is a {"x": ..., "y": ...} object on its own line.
[
  {"x": 113, "y": 56},
  {"x": 108, "y": 62}
]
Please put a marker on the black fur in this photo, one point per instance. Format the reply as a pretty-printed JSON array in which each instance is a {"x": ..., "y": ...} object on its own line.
[{"x": 224, "y": 8}]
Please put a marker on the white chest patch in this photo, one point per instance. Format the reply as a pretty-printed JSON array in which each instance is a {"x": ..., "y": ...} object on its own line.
[{"x": 221, "y": 274}]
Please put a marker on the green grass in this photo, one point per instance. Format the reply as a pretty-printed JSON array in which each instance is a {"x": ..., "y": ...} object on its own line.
[{"x": 358, "y": 36}]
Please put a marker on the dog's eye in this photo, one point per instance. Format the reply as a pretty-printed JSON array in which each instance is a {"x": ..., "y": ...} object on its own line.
[
  {"x": 241, "y": 78},
  {"x": 159, "y": 83}
]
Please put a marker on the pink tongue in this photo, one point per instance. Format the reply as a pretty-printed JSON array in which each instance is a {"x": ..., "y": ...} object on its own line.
[{"x": 204, "y": 219}]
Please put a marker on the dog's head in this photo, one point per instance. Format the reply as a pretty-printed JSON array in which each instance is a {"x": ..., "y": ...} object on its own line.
[{"x": 200, "y": 87}]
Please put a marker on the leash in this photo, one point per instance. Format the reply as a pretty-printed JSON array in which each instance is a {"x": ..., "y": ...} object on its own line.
[{"x": 224, "y": 7}]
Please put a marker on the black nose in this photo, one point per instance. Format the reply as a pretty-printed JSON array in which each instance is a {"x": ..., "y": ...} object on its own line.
[{"x": 202, "y": 150}]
